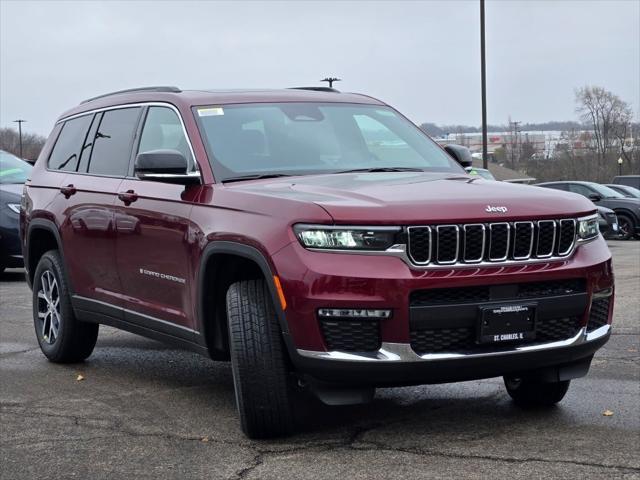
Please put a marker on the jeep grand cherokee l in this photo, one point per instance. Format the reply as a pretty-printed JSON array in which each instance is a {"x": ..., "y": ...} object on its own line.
[{"x": 315, "y": 239}]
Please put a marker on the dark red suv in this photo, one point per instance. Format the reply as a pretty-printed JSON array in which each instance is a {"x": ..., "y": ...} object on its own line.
[{"x": 317, "y": 239}]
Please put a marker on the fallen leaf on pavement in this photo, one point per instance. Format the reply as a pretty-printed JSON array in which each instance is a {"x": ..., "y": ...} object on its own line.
[
  {"x": 204, "y": 439},
  {"x": 79, "y": 378},
  {"x": 607, "y": 413}
]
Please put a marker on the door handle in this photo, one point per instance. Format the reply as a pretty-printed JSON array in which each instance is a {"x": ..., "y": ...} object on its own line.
[
  {"x": 128, "y": 197},
  {"x": 68, "y": 190}
]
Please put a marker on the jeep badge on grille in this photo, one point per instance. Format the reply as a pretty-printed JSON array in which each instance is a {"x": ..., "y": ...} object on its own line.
[{"x": 492, "y": 209}]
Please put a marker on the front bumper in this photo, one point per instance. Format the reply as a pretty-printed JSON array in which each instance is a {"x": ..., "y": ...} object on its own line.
[
  {"x": 313, "y": 280},
  {"x": 397, "y": 364},
  {"x": 10, "y": 246}
]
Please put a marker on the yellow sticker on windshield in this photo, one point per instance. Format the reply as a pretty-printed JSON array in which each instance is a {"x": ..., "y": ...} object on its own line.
[{"x": 210, "y": 112}]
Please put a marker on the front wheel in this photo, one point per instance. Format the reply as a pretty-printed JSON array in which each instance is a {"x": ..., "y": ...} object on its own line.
[
  {"x": 62, "y": 337},
  {"x": 527, "y": 392},
  {"x": 261, "y": 376},
  {"x": 627, "y": 226}
]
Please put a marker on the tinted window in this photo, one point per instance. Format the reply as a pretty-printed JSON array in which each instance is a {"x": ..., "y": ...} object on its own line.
[
  {"x": 112, "y": 144},
  {"x": 311, "y": 138},
  {"x": 580, "y": 189},
  {"x": 67, "y": 148},
  {"x": 85, "y": 153},
  {"x": 163, "y": 131},
  {"x": 557, "y": 186}
]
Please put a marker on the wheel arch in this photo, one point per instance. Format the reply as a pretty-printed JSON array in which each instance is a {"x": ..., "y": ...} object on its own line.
[
  {"x": 42, "y": 236},
  {"x": 221, "y": 264}
]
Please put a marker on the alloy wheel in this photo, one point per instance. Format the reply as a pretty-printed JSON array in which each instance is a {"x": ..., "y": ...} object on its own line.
[{"x": 49, "y": 307}]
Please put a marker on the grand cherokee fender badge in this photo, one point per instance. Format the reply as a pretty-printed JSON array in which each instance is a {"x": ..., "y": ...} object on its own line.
[
  {"x": 492, "y": 209},
  {"x": 163, "y": 276}
]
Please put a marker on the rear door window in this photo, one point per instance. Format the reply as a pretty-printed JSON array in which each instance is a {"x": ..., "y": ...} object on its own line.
[
  {"x": 69, "y": 143},
  {"x": 111, "y": 150}
]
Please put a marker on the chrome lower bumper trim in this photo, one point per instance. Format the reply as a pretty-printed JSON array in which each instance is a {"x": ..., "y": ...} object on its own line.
[{"x": 402, "y": 352}]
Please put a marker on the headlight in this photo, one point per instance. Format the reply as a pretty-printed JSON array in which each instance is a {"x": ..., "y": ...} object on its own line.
[
  {"x": 346, "y": 238},
  {"x": 588, "y": 228},
  {"x": 14, "y": 207}
]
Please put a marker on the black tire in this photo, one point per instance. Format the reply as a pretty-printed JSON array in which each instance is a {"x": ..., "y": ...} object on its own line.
[
  {"x": 72, "y": 340},
  {"x": 261, "y": 377},
  {"x": 526, "y": 392},
  {"x": 626, "y": 226}
]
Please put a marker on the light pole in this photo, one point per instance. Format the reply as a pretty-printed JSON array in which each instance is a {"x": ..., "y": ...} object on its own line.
[
  {"x": 20, "y": 122},
  {"x": 620, "y": 165},
  {"x": 483, "y": 75}
]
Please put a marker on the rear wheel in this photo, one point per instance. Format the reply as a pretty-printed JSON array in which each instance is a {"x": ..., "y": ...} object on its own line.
[
  {"x": 626, "y": 225},
  {"x": 527, "y": 392},
  {"x": 62, "y": 337},
  {"x": 261, "y": 376}
]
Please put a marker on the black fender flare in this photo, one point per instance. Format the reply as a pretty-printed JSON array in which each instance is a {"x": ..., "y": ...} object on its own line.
[
  {"x": 51, "y": 227},
  {"x": 250, "y": 253}
]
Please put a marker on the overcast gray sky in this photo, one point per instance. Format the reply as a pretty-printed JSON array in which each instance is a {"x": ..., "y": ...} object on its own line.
[{"x": 420, "y": 56}]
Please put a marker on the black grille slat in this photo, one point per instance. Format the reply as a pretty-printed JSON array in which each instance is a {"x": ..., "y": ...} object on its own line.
[
  {"x": 522, "y": 240},
  {"x": 351, "y": 335},
  {"x": 420, "y": 244},
  {"x": 546, "y": 238},
  {"x": 566, "y": 237},
  {"x": 463, "y": 339},
  {"x": 473, "y": 244},
  {"x": 599, "y": 316},
  {"x": 498, "y": 241},
  {"x": 447, "y": 244}
]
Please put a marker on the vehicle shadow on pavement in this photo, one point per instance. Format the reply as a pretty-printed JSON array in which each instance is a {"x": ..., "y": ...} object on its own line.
[{"x": 12, "y": 276}]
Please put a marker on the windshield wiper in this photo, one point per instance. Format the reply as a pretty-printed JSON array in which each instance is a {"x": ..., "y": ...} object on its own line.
[
  {"x": 383, "y": 169},
  {"x": 254, "y": 177}
]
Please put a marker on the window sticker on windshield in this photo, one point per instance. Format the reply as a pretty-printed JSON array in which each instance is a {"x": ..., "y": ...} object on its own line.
[
  {"x": 210, "y": 112},
  {"x": 385, "y": 113}
]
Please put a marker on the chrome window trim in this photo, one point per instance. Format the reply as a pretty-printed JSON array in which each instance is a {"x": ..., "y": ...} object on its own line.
[
  {"x": 506, "y": 254},
  {"x": 484, "y": 242},
  {"x": 553, "y": 243},
  {"x": 455, "y": 260},
  {"x": 409, "y": 244},
  {"x": 575, "y": 235},
  {"x": 402, "y": 352},
  {"x": 515, "y": 239},
  {"x": 133, "y": 105}
]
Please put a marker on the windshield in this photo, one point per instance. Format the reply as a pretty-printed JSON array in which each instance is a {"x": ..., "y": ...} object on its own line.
[
  {"x": 606, "y": 192},
  {"x": 12, "y": 169},
  {"x": 309, "y": 138},
  {"x": 631, "y": 192}
]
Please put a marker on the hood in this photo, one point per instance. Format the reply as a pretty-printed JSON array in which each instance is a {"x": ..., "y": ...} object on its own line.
[
  {"x": 419, "y": 197},
  {"x": 630, "y": 203}
]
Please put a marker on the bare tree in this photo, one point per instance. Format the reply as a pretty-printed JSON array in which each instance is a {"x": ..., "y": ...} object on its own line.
[
  {"x": 608, "y": 115},
  {"x": 31, "y": 143}
]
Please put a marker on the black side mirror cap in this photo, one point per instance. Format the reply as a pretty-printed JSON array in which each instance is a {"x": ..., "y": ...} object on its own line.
[
  {"x": 594, "y": 197},
  {"x": 460, "y": 154}
]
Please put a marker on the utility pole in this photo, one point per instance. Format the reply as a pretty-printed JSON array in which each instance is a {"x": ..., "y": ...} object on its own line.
[
  {"x": 330, "y": 80},
  {"x": 20, "y": 122},
  {"x": 483, "y": 74}
]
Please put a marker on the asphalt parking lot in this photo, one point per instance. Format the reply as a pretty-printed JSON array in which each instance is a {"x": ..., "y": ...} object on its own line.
[{"x": 144, "y": 410}]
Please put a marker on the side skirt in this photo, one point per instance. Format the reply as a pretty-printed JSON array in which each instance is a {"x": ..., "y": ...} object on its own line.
[{"x": 94, "y": 311}]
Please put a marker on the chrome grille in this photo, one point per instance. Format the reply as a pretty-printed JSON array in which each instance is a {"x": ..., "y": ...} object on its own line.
[{"x": 491, "y": 242}]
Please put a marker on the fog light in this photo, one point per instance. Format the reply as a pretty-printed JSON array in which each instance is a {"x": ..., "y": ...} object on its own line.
[{"x": 353, "y": 313}]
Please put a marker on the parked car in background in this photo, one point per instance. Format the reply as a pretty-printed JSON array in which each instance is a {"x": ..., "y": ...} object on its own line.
[
  {"x": 631, "y": 180},
  {"x": 627, "y": 209},
  {"x": 480, "y": 172},
  {"x": 608, "y": 222},
  {"x": 13, "y": 174},
  {"x": 626, "y": 190}
]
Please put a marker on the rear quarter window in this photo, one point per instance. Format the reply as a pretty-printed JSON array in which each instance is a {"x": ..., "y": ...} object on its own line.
[{"x": 66, "y": 150}]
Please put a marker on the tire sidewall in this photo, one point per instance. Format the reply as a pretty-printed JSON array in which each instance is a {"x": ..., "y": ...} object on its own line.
[{"x": 50, "y": 261}]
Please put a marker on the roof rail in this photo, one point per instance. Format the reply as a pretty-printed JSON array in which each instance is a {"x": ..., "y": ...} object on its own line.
[
  {"x": 135, "y": 90},
  {"x": 316, "y": 89}
]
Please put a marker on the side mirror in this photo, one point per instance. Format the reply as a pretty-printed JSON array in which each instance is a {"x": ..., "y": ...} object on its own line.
[
  {"x": 594, "y": 197},
  {"x": 168, "y": 166},
  {"x": 460, "y": 154}
]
